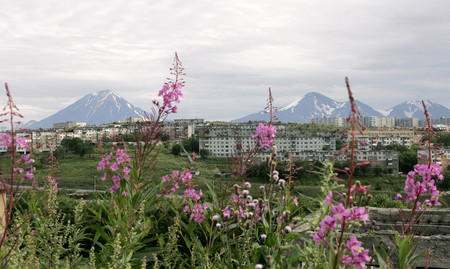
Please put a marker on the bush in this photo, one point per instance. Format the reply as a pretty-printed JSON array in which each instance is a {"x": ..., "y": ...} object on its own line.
[
  {"x": 176, "y": 149},
  {"x": 385, "y": 201}
]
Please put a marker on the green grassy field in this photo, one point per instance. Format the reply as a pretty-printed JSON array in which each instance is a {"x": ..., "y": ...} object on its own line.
[{"x": 81, "y": 172}]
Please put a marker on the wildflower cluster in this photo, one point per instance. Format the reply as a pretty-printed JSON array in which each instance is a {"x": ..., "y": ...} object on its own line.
[
  {"x": 27, "y": 163},
  {"x": 414, "y": 188},
  {"x": 330, "y": 230},
  {"x": 429, "y": 173},
  {"x": 264, "y": 135},
  {"x": 171, "y": 91},
  {"x": 116, "y": 166},
  {"x": 191, "y": 196}
]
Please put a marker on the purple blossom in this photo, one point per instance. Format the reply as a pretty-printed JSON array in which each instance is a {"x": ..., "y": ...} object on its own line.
[
  {"x": 21, "y": 142},
  {"x": 359, "y": 214},
  {"x": 264, "y": 136},
  {"x": 328, "y": 223},
  {"x": 5, "y": 140},
  {"x": 319, "y": 236},
  {"x": 339, "y": 212},
  {"x": 328, "y": 198},
  {"x": 114, "y": 167},
  {"x": 114, "y": 188},
  {"x": 102, "y": 164}
]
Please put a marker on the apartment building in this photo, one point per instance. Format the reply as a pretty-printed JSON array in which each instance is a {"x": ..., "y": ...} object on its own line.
[
  {"x": 329, "y": 121},
  {"x": 388, "y": 159},
  {"x": 384, "y": 138},
  {"x": 438, "y": 155},
  {"x": 287, "y": 141}
]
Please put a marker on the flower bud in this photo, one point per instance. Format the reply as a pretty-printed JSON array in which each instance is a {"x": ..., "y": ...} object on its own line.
[
  {"x": 274, "y": 151},
  {"x": 287, "y": 214}
]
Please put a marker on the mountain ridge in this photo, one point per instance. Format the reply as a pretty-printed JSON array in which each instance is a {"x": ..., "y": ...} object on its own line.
[
  {"x": 316, "y": 105},
  {"x": 100, "y": 107}
]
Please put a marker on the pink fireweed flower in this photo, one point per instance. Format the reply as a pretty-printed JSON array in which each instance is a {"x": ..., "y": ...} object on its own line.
[
  {"x": 363, "y": 189},
  {"x": 360, "y": 259},
  {"x": 114, "y": 167},
  {"x": 339, "y": 212},
  {"x": 170, "y": 92},
  {"x": 192, "y": 194},
  {"x": 28, "y": 175},
  {"x": 126, "y": 171},
  {"x": 226, "y": 212},
  {"x": 415, "y": 189},
  {"x": 328, "y": 223},
  {"x": 103, "y": 178},
  {"x": 114, "y": 188},
  {"x": 328, "y": 198},
  {"x": 186, "y": 177},
  {"x": 264, "y": 136},
  {"x": 288, "y": 229},
  {"x": 21, "y": 142},
  {"x": 319, "y": 236},
  {"x": 102, "y": 164},
  {"x": 346, "y": 259},
  {"x": 115, "y": 179},
  {"x": 353, "y": 244},
  {"x": 359, "y": 214},
  {"x": 5, "y": 140},
  {"x": 120, "y": 160}
]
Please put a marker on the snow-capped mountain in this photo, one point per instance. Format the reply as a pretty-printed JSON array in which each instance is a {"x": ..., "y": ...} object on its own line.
[
  {"x": 414, "y": 109},
  {"x": 312, "y": 105},
  {"x": 95, "y": 108}
]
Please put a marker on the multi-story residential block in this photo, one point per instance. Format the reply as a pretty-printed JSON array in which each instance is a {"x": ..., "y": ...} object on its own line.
[
  {"x": 406, "y": 122},
  {"x": 328, "y": 121},
  {"x": 384, "y": 138},
  {"x": 180, "y": 129},
  {"x": 68, "y": 125},
  {"x": 438, "y": 155},
  {"x": 224, "y": 143},
  {"x": 388, "y": 159},
  {"x": 379, "y": 122}
]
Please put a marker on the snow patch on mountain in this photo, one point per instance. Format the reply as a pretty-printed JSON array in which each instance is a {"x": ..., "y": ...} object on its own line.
[{"x": 96, "y": 108}]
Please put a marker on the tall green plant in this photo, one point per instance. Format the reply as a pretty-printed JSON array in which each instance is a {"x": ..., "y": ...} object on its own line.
[{"x": 129, "y": 211}]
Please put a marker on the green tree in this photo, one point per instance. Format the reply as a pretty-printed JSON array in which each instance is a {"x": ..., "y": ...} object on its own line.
[
  {"x": 377, "y": 169},
  {"x": 205, "y": 153},
  {"x": 407, "y": 157},
  {"x": 191, "y": 144},
  {"x": 176, "y": 149},
  {"x": 77, "y": 146}
]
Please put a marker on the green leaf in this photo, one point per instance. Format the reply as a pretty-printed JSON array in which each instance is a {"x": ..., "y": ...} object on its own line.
[{"x": 381, "y": 261}]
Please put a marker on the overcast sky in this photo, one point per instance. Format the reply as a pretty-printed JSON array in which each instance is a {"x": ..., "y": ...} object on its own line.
[{"x": 53, "y": 52}]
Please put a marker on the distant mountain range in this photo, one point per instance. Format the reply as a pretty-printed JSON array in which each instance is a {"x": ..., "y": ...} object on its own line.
[
  {"x": 316, "y": 105},
  {"x": 106, "y": 107},
  {"x": 95, "y": 108}
]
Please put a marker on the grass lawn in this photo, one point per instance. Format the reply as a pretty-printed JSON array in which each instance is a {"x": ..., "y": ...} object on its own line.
[{"x": 81, "y": 172}]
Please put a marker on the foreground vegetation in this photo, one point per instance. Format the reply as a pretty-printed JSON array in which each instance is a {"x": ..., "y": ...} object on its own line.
[{"x": 155, "y": 212}]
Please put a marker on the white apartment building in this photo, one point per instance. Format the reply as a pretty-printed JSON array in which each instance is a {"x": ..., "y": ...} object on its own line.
[{"x": 384, "y": 138}]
